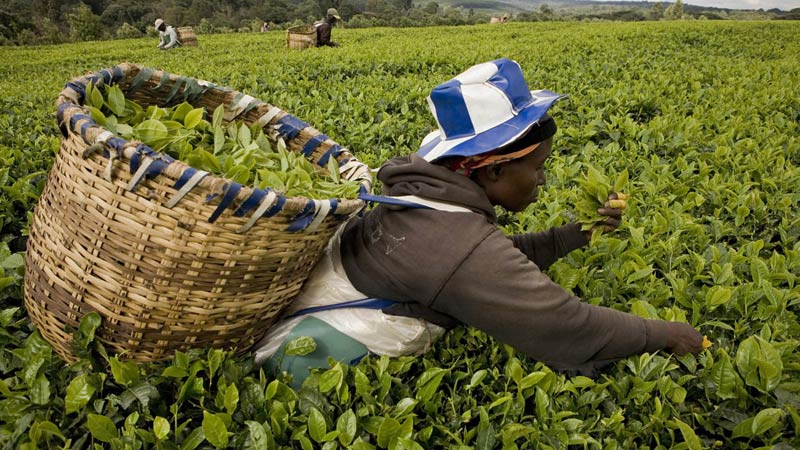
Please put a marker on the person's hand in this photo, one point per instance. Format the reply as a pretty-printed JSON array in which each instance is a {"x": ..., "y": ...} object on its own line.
[
  {"x": 682, "y": 338},
  {"x": 612, "y": 211}
]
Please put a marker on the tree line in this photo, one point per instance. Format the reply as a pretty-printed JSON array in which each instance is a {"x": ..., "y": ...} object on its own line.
[{"x": 30, "y": 22}]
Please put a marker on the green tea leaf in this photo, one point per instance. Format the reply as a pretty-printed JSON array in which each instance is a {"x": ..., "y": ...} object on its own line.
[
  {"x": 215, "y": 358},
  {"x": 215, "y": 430},
  {"x": 101, "y": 427},
  {"x": 94, "y": 97},
  {"x": 759, "y": 364},
  {"x": 193, "y": 118},
  {"x": 161, "y": 427},
  {"x": 317, "y": 428},
  {"x": 388, "y": 431},
  {"x": 408, "y": 444},
  {"x": 231, "y": 398},
  {"x": 86, "y": 329},
  {"x": 765, "y": 420},
  {"x": 116, "y": 100},
  {"x": 195, "y": 438},
  {"x": 219, "y": 113},
  {"x": 621, "y": 181},
  {"x": 152, "y": 132},
  {"x": 44, "y": 427},
  {"x": 347, "y": 426},
  {"x": 300, "y": 346},
  {"x": 724, "y": 377},
  {"x": 40, "y": 390},
  {"x": 125, "y": 373},
  {"x": 486, "y": 435},
  {"x": 79, "y": 392},
  {"x": 428, "y": 383},
  {"x": 689, "y": 436},
  {"x": 259, "y": 438}
]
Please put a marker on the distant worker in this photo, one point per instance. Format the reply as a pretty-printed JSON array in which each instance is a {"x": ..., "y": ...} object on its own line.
[
  {"x": 324, "y": 29},
  {"x": 264, "y": 27},
  {"x": 167, "y": 37}
]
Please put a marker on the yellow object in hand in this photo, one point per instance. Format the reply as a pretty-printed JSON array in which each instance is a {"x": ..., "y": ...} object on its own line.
[
  {"x": 618, "y": 204},
  {"x": 706, "y": 342},
  {"x": 623, "y": 196}
]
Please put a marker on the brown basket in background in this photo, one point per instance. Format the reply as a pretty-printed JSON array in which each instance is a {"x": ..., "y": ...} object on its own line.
[
  {"x": 171, "y": 258},
  {"x": 301, "y": 36},
  {"x": 187, "y": 37}
]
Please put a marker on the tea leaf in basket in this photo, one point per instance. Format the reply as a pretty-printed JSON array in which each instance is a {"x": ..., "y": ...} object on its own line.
[
  {"x": 193, "y": 118},
  {"x": 94, "y": 97},
  {"x": 234, "y": 150},
  {"x": 179, "y": 112},
  {"x": 116, "y": 100},
  {"x": 216, "y": 122},
  {"x": 300, "y": 346},
  {"x": 153, "y": 133},
  {"x": 333, "y": 169}
]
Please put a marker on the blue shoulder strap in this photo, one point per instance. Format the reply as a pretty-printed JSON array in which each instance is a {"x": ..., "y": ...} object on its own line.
[
  {"x": 368, "y": 303},
  {"x": 391, "y": 201}
]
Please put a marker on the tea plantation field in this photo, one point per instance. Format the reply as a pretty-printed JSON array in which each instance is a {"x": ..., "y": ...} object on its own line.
[{"x": 705, "y": 117}]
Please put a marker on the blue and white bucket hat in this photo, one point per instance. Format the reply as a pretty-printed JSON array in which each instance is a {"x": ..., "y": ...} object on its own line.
[{"x": 484, "y": 108}]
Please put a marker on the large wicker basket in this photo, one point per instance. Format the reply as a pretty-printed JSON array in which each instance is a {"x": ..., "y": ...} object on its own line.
[
  {"x": 301, "y": 36},
  {"x": 187, "y": 37},
  {"x": 171, "y": 257}
]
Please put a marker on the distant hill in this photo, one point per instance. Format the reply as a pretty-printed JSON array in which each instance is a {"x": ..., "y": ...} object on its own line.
[{"x": 585, "y": 6}]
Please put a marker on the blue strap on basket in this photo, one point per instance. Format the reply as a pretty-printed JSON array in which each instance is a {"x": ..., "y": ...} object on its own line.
[
  {"x": 158, "y": 163},
  {"x": 276, "y": 208},
  {"x": 73, "y": 121},
  {"x": 117, "y": 143},
  {"x": 334, "y": 151},
  {"x": 79, "y": 88},
  {"x": 184, "y": 178},
  {"x": 302, "y": 220},
  {"x": 255, "y": 199},
  {"x": 62, "y": 108},
  {"x": 365, "y": 303},
  {"x": 312, "y": 145},
  {"x": 227, "y": 199},
  {"x": 290, "y": 126}
]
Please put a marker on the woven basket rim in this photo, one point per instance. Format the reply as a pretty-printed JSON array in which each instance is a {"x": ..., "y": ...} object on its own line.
[
  {"x": 75, "y": 120},
  {"x": 302, "y": 29}
]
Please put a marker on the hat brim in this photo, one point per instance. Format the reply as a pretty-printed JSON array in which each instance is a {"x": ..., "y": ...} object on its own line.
[{"x": 433, "y": 147}]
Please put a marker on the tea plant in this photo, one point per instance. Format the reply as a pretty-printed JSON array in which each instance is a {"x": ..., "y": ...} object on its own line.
[{"x": 703, "y": 117}]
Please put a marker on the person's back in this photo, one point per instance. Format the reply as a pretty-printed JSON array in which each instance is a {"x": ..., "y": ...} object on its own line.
[{"x": 325, "y": 28}]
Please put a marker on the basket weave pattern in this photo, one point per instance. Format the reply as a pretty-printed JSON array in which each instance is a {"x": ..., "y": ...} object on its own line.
[
  {"x": 301, "y": 36},
  {"x": 164, "y": 277}
]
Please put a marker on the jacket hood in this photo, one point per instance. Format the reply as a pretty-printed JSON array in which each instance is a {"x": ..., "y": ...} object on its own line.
[{"x": 412, "y": 175}]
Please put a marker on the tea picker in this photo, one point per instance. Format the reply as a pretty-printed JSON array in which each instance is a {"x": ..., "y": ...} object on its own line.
[
  {"x": 430, "y": 255},
  {"x": 167, "y": 36},
  {"x": 324, "y": 28}
]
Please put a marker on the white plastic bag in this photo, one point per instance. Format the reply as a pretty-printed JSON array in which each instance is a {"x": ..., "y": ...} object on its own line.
[{"x": 382, "y": 334}]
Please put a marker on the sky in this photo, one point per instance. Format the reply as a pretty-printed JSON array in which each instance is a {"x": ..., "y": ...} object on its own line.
[{"x": 746, "y": 4}]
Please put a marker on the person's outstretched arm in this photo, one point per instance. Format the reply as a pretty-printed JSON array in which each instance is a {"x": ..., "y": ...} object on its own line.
[
  {"x": 498, "y": 290},
  {"x": 546, "y": 247}
]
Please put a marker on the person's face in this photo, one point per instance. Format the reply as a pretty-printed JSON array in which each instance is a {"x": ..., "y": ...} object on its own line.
[{"x": 515, "y": 185}]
